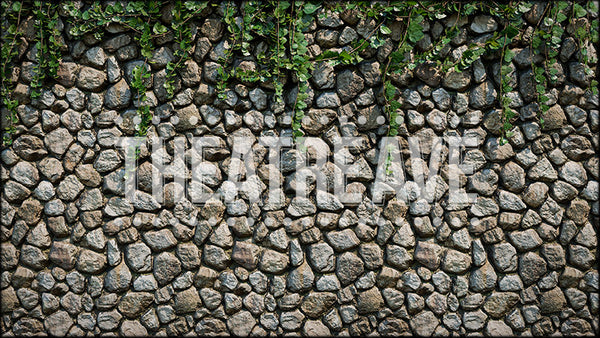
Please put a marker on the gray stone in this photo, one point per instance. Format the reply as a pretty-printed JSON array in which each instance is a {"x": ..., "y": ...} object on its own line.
[
  {"x": 552, "y": 301},
  {"x": 483, "y": 96},
  {"x": 525, "y": 240},
  {"x": 349, "y": 84},
  {"x": 484, "y": 207},
  {"x": 348, "y": 268},
  {"x": 139, "y": 257},
  {"x": 301, "y": 278},
  {"x": 323, "y": 76},
  {"x": 555, "y": 255},
  {"x": 483, "y": 278},
  {"x": 118, "y": 279},
  {"x": 321, "y": 257},
  {"x": 531, "y": 268},
  {"x": 58, "y": 323},
  {"x": 166, "y": 267},
  {"x": 510, "y": 283},
  {"x": 91, "y": 262},
  {"x": 497, "y": 328},
  {"x": 327, "y": 201},
  {"x": 369, "y": 301},
  {"x": 437, "y": 120},
  {"x": 574, "y": 173},
  {"x": 160, "y": 240},
  {"x": 25, "y": 173},
  {"x": 474, "y": 320},
  {"x": 273, "y": 261},
  {"x": 424, "y": 324},
  {"x": 587, "y": 236},
  {"x": 504, "y": 257},
  {"x": 576, "y": 115},
  {"x": 132, "y": 328},
  {"x": 315, "y": 328},
  {"x": 456, "y": 262},
  {"x": 543, "y": 171},
  {"x": 500, "y": 303},
  {"x": 458, "y": 81},
  {"x": 510, "y": 201},
  {"x": 215, "y": 256},
  {"x": 291, "y": 320},
  {"x": 513, "y": 177},
  {"x": 301, "y": 206},
  {"x": 576, "y": 147},
  {"x": 342, "y": 240},
  {"x": 441, "y": 98},
  {"x": 579, "y": 256},
  {"x": 535, "y": 194},
  {"x": 372, "y": 255},
  {"x": 428, "y": 254},
  {"x": 576, "y": 298},
  {"x": 246, "y": 254},
  {"x": 316, "y": 304},
  {"x": 57, "y": 141},
  {"x": 132, "y": 304},
  {"x": 118, "y": 96},
  {"x": 398, "y": 257},
  {"x": 551, "y": 212},
  {"x": 328, "y": 100},
  {"x": 63, "y": 254},
  {"x": 187, "y": 301},
  {"x": 437, "y": 303},
  {"x": 90, "y": 79},
  {"x": 316, "y": 121}
]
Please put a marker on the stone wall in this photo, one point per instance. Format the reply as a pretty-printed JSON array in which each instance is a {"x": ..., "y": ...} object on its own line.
[{"x": 78, "y": 257}]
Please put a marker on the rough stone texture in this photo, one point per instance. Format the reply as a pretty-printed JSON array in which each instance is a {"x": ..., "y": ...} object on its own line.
[{"x": 80, "y": 257}]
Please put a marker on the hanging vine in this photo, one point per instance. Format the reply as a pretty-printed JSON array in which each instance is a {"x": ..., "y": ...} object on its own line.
[
  {"x": 11, "y": 20},
  {"x": 273, "y": 33},
  {"x": 47, "y": 45}
]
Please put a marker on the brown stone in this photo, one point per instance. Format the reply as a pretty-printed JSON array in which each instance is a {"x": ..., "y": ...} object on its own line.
[{"x": 316, "y": 304}]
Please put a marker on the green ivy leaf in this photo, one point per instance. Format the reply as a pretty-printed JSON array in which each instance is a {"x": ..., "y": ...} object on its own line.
[
  {"x": 540, "y": 89},
  {"x": 415, "y": 30},
  {"x": 385, "y": 30},
  {"x": 511, "y": 31},
  {"x": 524, "y": 7},
  {"x": 560, "y": 17},
  {"x": 579, "y": 11},
  {"x": 159, "y": 28},
  {"x": 310, "y": 8},
  {"x": 506, "y": 69},
  {"x": 508, "y": 56}
]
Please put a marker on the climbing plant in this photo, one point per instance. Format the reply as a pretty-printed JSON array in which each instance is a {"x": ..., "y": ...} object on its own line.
[
  {"x": 138, "y": 84},
  {"x": 12, "y": 14},
  {"x": 47, "y": 45},
  {"x": 299, "y": 61},
  {"x": 273, "y": 34},
  {"x": 182, "y": 13}
]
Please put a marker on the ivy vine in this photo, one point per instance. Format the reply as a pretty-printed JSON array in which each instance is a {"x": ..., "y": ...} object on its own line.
[
  {"x": 273, "y": 35},
  {"x": 11, "y": 20},
  {"x": 47, "y": 45}
]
